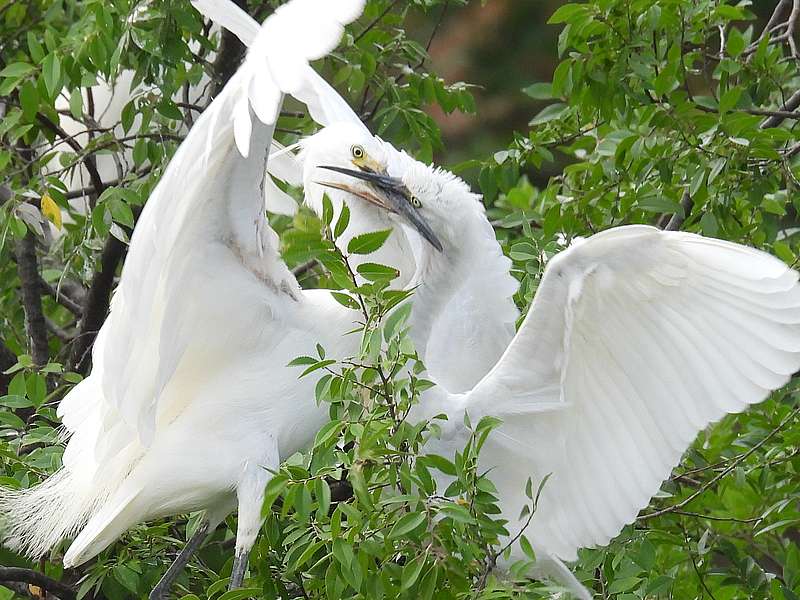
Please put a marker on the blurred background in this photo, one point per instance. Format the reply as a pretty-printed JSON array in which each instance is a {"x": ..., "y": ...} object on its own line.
[{"x": 500, "y": 46}]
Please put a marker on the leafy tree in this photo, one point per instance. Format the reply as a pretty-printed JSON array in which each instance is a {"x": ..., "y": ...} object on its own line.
[{"x": 680, "y": 114}]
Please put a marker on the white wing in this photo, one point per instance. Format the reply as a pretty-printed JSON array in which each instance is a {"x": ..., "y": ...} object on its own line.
[
  {"x": 637, "y": 340},
  {"x": 176, "y": 250},
  {"x": 320, "y": 23}
]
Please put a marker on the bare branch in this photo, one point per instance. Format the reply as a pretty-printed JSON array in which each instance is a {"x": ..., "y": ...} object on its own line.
[
  {"x": 31, "y": 577},
  {"x": 7, "y": 360},
  {"x": 775, "y": 118},
  {"x": 96, "y": 307},
  {"x": 88, "y": 160},
  {"x": 229, "y": 55},
  {"x": 60, "y": 297},
  {"x": 35, "y": 326},
  {"x": 677, "y": 219}
]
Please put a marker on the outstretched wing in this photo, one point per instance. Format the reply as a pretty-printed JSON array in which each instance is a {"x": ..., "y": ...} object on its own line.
[
  {"x": 192, "y": 259},
  {"x": 637, "y": 340},
  {"x": 321, "y": 23}
]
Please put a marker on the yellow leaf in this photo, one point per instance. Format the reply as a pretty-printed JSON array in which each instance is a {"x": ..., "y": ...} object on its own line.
[{"x": 51, "y": 210}]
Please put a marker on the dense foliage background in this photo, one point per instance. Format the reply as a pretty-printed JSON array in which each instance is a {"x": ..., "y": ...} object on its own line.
[{"x": 676, "y": 113}]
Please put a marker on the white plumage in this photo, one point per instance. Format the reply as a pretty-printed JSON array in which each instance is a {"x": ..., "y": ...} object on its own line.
[
  {"x": 637, "y": 338},
  {"x": 179, "y": 412}
]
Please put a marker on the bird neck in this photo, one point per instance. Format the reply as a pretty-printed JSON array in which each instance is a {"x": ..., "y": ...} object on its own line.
[{"x": 468, "y": 242}]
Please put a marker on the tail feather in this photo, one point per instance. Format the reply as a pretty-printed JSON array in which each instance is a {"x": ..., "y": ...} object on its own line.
[
  {"x": 118, "y": 515},
  {"x": 36, "y": 519}
]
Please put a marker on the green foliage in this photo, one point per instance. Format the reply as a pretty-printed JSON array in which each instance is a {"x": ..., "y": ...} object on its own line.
[
  {"x": 669, "y": 113},
  {"x": 660, "y": 111}
]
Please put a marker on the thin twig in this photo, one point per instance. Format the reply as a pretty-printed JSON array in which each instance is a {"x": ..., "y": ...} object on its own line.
[{"x": 375, "y": 21}]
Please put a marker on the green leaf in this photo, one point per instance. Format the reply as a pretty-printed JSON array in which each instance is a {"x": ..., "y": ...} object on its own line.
[
  {"x": 275, "y": 488},
  {"x": 346, "y": 300},
  {"x": 406, "y": 525},
  {"x": 527, "y": 548},
  {"x": 549, "y": 113},
  {"x": 366, "y": 243},
  {"x": 729, "y": 99},
  {"x": 327, "y": 209},
  {"x": 567, "y": 13},
  {"x": 323, "y": 494},
  {"x": 127, "y": 577},
  {"x": 51, "y": 70},
  {"x": 376, "y": 272},
  {"x": 396, "y": 319},
  {"x": 539, "y": 91},
  {"x": 411, "y": 572},
  {"x": 15, "y": 401},
  {"x": 317, "y": 366},
  {"x": 29, "y": 100},
  {"x": 16, "y": 70},
  {"x": 76, "y": 104},
  {"x": 342, "y": 221},
  {"x": 241, "y": 594}
]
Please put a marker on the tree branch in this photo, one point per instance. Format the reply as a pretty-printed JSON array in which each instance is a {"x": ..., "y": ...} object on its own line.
[
  {"x": 88, "y": 160},
  {"x": 96, "y": 306},
  {"x": 775, "y": 118},
  {"x": 35, "y": 325},
  {"x": 229, "y": 57},
  {"x": 60, "y": 297},
  {"x": 677, "y": 219},
  {"x": 7, "y": 360},
  {"x": 31, "y": 577}
]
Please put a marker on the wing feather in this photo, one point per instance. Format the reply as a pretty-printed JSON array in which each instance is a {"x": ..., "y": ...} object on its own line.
[
  {"x": 177, "y": 249},
  {"x": 637, "y": 340}
]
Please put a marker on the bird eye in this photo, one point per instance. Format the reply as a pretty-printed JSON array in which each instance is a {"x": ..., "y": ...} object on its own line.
[
  {"x": 357, "y": 151},
  {"x": 415, "y": 202}
]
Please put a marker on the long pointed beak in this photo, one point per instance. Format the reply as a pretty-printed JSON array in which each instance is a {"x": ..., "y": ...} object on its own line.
[{"x": 387, "y": 192}]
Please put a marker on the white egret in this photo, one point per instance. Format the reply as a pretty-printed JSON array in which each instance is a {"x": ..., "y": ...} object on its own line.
[
  {"x": 637, "y": 339},
  {"x": 182, "y": 410}
]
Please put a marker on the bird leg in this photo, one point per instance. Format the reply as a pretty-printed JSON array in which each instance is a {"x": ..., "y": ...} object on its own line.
[
  {"x": 161, "y": 591},
  {"x": 250, "y": 497},
  {"x": 239, "y": 568}
]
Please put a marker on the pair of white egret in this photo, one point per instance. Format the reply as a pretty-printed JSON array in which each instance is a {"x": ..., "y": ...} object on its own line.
[{"x": 637, "y": 338}]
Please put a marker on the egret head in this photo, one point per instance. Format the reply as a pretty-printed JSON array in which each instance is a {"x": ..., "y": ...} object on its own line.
[
  {"x": 346, "y": 158},
  {"x": 341, "y": 145},
  {"x": 431, "y": 200}
]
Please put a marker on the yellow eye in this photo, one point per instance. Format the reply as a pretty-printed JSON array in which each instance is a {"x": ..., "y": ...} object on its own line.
[
  {"x": 415, "y": 202},
  {"x": 357, "y": 151}
]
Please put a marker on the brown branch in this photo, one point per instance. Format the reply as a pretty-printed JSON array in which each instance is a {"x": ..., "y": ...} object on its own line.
[
  {"x": 35, "y": 326},
  {"x": 31, "y": 577},
  {"x": 775, "y": 118},
  {"x": 7, "y": 360},
  {"x": 376, "y": 105},
  {"x": 90, "y": 190},
  {"x": 677, "y": 219},
  {"x": 60, "y": 297},
  {"x": 375, "y": 21},
  {"x": 229, "y": 57},
  {"x": 96, "y": 306}
]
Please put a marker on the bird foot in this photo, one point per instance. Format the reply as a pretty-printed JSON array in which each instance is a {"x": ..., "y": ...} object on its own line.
[{"x": 159, "y": 593}]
